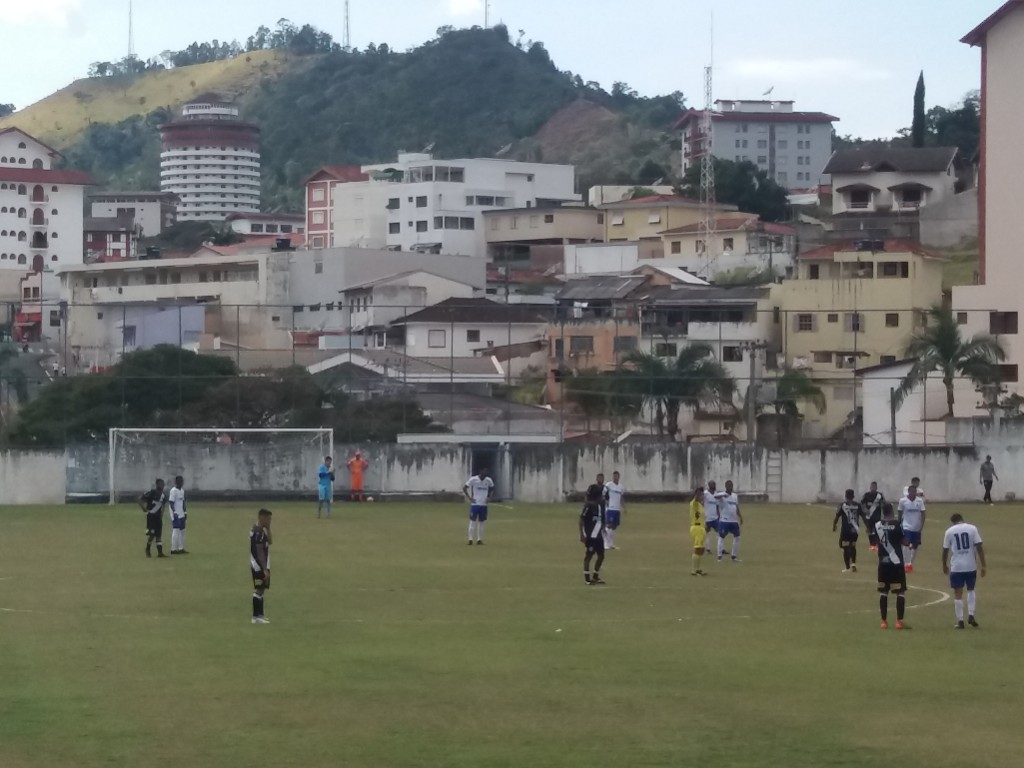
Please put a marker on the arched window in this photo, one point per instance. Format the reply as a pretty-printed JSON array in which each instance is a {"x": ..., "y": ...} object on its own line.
[
  {"x": 38, "y": 263},
  {"x": 54, "y": 257},
  {"x": 22, "y": 189},
  {"x": 54, "y": 235},
  {"x": 39, "y": 240},
  {"x": 53, "y": 189},
  {"x": 38, "y": 217},
  {"x": 22, "y": 259},
  {"x": 38, "y": 194},
  {"x": 21, "y": 161},
  {"x": 21, "y": 145},
  {"x": 53, "y": 212},
  {"x": 37, "y": 163},
  {"x": 22, "y": 237},
  {"x": 22, "y": 213},
  {"x": 3, "y": 186},
  {"x": 3, "y": 210}
]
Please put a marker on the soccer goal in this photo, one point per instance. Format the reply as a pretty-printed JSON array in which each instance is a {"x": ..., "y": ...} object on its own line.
[{"x": 228, "y": 463}]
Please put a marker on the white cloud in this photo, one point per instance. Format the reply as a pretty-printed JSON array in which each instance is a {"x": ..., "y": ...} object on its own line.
[
  {"x": 465, "y": 7},
  {"x": 769, "y": 71},
  {"x": 50, "y": 11}
]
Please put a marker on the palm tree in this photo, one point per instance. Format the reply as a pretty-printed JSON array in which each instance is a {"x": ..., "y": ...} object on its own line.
[
  {"x": 794, "y": 387},
  {"x": 693, "y": 378},
  {"x": 600, "y": 396},
  {"x": 938, "y": 346}
]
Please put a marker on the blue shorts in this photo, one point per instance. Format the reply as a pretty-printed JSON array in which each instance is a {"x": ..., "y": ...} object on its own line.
[
  {"x": 478, "y": 512},
  {"x": 178, "y": 522},
  {"x": 913, "y": 538},
  {"x": 613, "y": 518},
  {"x": 711, "y": 525},
  {"x": 961, "y": 579},
  {"x": 726, "y": 529},
  {"x": 326, "y": 493}
]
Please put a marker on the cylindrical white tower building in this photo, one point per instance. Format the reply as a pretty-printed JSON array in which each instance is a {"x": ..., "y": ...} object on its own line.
[{"x": 211, "y": 160}]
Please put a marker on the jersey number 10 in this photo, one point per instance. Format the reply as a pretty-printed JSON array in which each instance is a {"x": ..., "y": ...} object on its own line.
[{"x": 963, "y": 541}]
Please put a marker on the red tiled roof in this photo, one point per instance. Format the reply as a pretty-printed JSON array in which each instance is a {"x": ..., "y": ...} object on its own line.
[
  {"x": 652, "y": 200},
  {"x": 254, "y": 244},
  {"x": 891, "y": 246},
  {"x": 977, "y": 35},
  {"x": 521, "y": 276},
  {"x": 735, "y": 223},
  {"x": 47, "y": 147},
  {"x": 338, "y": 173},
  {"x": 267, "y": 216},
  {"x": 760, "y": 117},
  {"x": 44, "y": 176}
]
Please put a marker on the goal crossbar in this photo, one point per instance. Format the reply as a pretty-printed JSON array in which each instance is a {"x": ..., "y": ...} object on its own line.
[{"x": 324, "y": 434}]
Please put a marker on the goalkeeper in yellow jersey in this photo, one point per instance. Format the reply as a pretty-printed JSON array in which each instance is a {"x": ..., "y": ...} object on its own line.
[{"x": 698, "y": 532}]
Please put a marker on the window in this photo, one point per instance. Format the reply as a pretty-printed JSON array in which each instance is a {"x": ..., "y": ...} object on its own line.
[
  {"x": 732, "y": 354},
  {"x": 728, "y": 243},
  {"x": 783, "y": 177},
  {"x": 318, "y": 265},
  {"x": 1002, "y": 323},
  {"x": 799, "y": 159},
  {"x": 473, "y": 337},
  {"x": 467, "y": 222},
  {"x": 421, "y": 201},
  {"x": 1007, "y": 373},
  {"x": 745, "y": 142},
  {"x": 814, "y": 272},
  {"x": 843, "y": 393},
  {"x": 256, "y": 227},
  {"x": 738, "y": 143},
  {"x": 782, "y": 144},
  {"x": 394, "y": 228},
  {"x": 437, "y": 339},
  {"x": 805, "y": 322},
  {"x": 318, "y": 242},
  {"x": 860, "y": 198},
  {"x": 549, "y": 218},
  {"x": 624, "y": 343},
  {"x": 421, "y": 226},
  {"x": 559, "y": 350},
  {"x": 494, "y": 224},
  {"x": 439, "y": 222},
  {"x": 675, "y": 247},
  {"x": 853, "y": 322},
  {"x": 618, "y": 220},
  {"x": 892, "y": 320},
  {"x": 514, "y": 223},
  {"x": 451, "y": 222},
  {"x": 912, "y": 198},
  {"x": 894, "y": 269},
  {"x": 886, "y": 359},
  {"x": 581, "y": 345},
  {"x": 534, "y": 222},
  {"x": 318, "y": 217},
  {"x": 961, "y": 318},
  {"x": 698, "y": 246},
  {"x": 762, "y": 143},
  {"x": 762, "y": 160},
  {"x": 666, "y": 349}
]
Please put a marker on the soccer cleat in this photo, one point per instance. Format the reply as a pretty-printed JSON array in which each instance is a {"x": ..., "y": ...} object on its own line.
[
  {"x": 470, "y": 542},
  {"x": 693, "y": 573},
  {"x": 845, "y": 570},
  {"x": 148, "y": 552},
  {"x": 586, "y": 580},
  {"x": 597, "y": 580},
  {"x": 260, "y": 620},
  {"x": 479, "y": 542},
  {"x": 736, "y": 560},
  {"x": 719, "y": 558},
  {"x": 908, "y": 569},
  {"x": 972, "y": 621},
  {"x": 884, "y": 624},
  {"x": 182, "y": 551},
  {"x": 161, "y": 554},
  {"x": 899, "y": 623},
  {"x": 702, "y": 573},
  {"x": 958, "y": 625},
  {"x": 853, "y": 567}
]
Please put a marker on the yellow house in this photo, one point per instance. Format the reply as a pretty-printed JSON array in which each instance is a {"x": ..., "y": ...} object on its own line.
[
  {"x": 853, "y": 306},
  {"x": 645, "y": 218}
]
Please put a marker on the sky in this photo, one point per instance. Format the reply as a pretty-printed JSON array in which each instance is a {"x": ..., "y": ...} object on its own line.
[{"x": 857, "y": 61}]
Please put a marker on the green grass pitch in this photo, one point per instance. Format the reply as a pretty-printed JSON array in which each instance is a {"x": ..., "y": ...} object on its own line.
[{"x": 394, "y": 644}]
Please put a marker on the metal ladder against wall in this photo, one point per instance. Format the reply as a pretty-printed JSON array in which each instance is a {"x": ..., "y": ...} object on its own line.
[{"x": 773, "y": 476}]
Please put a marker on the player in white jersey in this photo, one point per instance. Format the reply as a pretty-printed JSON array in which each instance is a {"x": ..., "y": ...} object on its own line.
[
  {"x": 962, "y": 553},
  {"x": 176, "y": 501},
  {"x": 916, "y": 482},
  {"x": 613, "y": 493},
  {"x": 478, "y": 491},
  {"x": 912, "y": 516},
  {"x": 711, "y": 514},
  {"x": 729, "y": 521}
]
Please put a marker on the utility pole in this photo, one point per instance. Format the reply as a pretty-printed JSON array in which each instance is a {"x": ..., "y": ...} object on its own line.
[
  {"x": 487, "y": 14},
  {"x": 347, "y": 38},
  {"x": 892, "y": 416},
  {"x": 752, "y": 348},
  {"x": 708, "y": 224},
  {"x": 131, "y": 30}
]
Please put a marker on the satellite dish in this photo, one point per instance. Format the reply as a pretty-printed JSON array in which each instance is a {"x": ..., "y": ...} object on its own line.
[{"x": 504, "y": 150}]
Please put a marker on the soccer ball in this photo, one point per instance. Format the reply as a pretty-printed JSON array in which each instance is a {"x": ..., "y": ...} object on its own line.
[{"x": 369, "y": 498}]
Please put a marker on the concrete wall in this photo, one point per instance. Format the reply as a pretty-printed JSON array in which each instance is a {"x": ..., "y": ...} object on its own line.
[
  {"x": 32, "y": 477},
  {"x": 951, "y": 221}
]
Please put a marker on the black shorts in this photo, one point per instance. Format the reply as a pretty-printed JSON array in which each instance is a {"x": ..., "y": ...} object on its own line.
[
  {"x": 892, "y": 578},
  {"x": 848, "y": 539},
  {"x": 258, "y": 582},
  {"x": 155, "y": 524},
  {"x": 595, "y": 546}
]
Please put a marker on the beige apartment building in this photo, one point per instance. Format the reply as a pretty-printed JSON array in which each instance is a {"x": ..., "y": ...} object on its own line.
[
  {"x": 539, "y": 234},
  {"x": 645, "y": 218}
]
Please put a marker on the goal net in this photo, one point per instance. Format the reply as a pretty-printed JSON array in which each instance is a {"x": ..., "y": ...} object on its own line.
[{"x": 233, "y": 464}]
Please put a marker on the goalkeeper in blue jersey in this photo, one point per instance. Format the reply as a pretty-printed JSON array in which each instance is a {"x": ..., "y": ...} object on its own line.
[{"x": 325, "y": 486}]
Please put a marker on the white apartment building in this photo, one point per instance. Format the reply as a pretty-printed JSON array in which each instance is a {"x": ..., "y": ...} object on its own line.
[
  {"x": 153, "y": 212},
  {"x": 437, "y": 206},
  {"x": 791, "y": 147},
  {"x": 262, "y": 224},
  {"x": 376, "y": 303},
  {"x": 897, "y": 180},
  {"x": 211, "y": 160},
  {"x": 996, "y": 305}
]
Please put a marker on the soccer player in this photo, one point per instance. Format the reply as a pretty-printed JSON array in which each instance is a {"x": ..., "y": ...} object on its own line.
[
  {"x": 592, "y": 531},
  {"x": 260, "y": 540},
  {"x": 986, "y": 475},
  {"x": 916, "y": 482},
  {"x": 698, "y": 532},
  {"x": 176, "y": 501},
  {"x": 711, "y": 512},
  {"x": 729, "y": 521},
  {"x": 478, "y": 490},
  {"x": 964, "y": 542},
  {"x": 613, "y": 492},
  {"x": 892, "y": 578},
  {"x": 356, "y": 466},
  {"x": 872, "y": 503},
  {"x": 325, "y": 485},
  {"x": 849, "y": 513},
  {"x": 152, "y": 503},
  {"x": 912, "y": 516}
]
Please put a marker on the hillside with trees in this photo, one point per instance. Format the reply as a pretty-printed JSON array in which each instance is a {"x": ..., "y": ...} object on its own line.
[{"x": 467, "y": 92}]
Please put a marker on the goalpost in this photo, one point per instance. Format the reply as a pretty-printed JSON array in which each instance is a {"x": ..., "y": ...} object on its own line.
[{"x": 233, "y": 463}]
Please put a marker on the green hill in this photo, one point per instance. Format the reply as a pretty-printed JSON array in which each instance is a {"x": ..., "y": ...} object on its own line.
[{"x": 466, "y": 93}]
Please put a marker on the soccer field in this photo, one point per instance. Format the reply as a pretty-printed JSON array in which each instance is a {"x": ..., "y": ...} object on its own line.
[{"x": 395, "y": 644}]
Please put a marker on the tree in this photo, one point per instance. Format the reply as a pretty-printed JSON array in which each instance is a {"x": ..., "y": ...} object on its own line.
[
  {"x": 6, "y": 109},
  {"x": 12, "y": 376},
  {"x": 286, "y": 398},
  {"x": 600, "y": 396},
  {"x": 938, "y": 346},
  {"x": 917, "y": 127},
  {"x": 794, "y": 387},
  {"x": 695, "y": 377},
  {"x": 741, "y": 184}
]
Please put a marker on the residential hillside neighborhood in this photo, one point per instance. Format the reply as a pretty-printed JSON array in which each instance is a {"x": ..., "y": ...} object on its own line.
[{"x": 505, "y": 298}]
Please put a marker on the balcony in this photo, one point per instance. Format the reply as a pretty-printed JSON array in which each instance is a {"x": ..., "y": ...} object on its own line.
[{"x": 37, "y": 223}]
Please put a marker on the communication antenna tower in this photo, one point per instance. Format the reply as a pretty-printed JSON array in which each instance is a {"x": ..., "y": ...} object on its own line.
[
  {"x": 347, "y": 39},
  {"x": 708, "y": 224},
  {"x": 131, "y": 30},
  {"x": 487, "y": 14}
]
